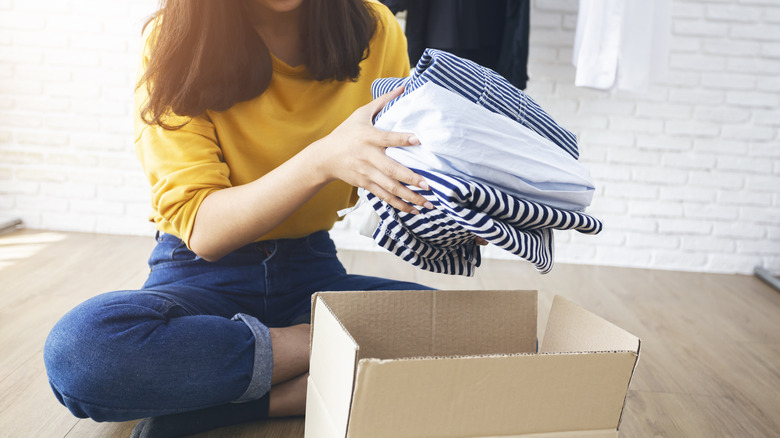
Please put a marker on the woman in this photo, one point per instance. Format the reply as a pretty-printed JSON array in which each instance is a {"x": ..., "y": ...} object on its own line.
[{"x": 253, "y": 127}]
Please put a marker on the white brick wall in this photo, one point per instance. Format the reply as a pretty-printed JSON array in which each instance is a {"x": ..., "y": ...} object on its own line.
[{"x": 688, "y": 173}]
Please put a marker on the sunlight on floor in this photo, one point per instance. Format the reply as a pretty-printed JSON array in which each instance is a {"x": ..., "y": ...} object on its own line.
[{"x": 21, "y": 245}]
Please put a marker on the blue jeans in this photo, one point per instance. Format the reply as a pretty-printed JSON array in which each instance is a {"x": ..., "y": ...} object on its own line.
[{"x": 196, "y": 334}]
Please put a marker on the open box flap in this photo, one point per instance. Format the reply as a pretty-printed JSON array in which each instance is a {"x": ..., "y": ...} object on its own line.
[
  {"x": 570, "y": 328},
  {"x": 331, "y": 374},
  {"x": 490, "y": 395}
]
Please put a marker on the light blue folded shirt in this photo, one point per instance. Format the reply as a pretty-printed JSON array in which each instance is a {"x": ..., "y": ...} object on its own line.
[{"x": 461, "y": 138}]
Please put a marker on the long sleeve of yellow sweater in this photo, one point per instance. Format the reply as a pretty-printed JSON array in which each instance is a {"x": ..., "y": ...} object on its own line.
[{"x": 233, "y": 147}]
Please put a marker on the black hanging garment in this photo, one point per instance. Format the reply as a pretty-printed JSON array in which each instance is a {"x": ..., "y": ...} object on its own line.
[{"x": 492, "y": 33}]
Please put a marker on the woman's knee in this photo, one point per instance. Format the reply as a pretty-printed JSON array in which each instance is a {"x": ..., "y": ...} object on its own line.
[{"x": 88, "y": 349}]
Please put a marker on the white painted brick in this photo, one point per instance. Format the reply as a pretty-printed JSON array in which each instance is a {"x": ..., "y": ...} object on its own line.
[
  {"x": 5, "y": 136},
  {"x": 771, "y": 14},
  {"x": 43, "y": 138},
  {"x": 769, "y": 216},
  {"x": 663, "y": 143},
  {"x": 733, "y": 13},
  {"x": 20, "y": 157},
  {"x": 72, "y": 90},
  {"x": 100, "y": 8},
  {"x": 543, "y": 19},
  {"x": 685, "y": 44},
  {"x": 773, "y": 232},
  {"x": 753, "y": 65},
  {"x": 107, "y": 43},
  {"x": 697, "y": 96},
  {"x": 659, "y": 175},
  {"x": 42, "y": 104},
  {"x": 556, "y": 6},
  {"x": 744, "y": 197},
  {"x": 570, "y": 22},
  {"x": 629, "y": 190},
  {"x": 688, "y": 160},
  {"x": 44, "y": 73},
  {"x": 754, "y": 31},
  {"x": 699, "y": 28},
  {"x": 684, "y": 226},
  {"x": 663, "y": 110},
  {"x": 97, "y": 207},
  {"x": 721, "y": 146},
  {"x": 68, "y": 222},
  {"x": 75, "y": 24},
  {"x": 15, "y": 20},
  {"x": 21, "y": 121},
  {"x": 752, "y": 98},
  {"x": 623, "y": 222},
  {"x": 766, "y": 116},
  {"x": 123, "y": 194},
  {"x": 761, "y": 247},
  {"x": 765, "y": 149},
  {"x": 748, "y": 132},
  {"x": 732, "y": 263},
  {"x": 72, "y": 159},
  {"x": 547, "y": 37},
  {"x": 68, "y": 57},
  {"x": 722, "y": 114},
  {"x": 731, "y": 47},
  {"x": 675, "y": 259},
  {"x": 628, "y": 257},
  {"x": 763, "y": 183},
  {"x": 576, "y": 122},
  {"x": 17, "y": 187},
  {"x": 687, "y": 193},
  {"x": 6, "y": 173},
  {"x": 746, "y": 165},
  {"x": 71, "y": 123},
  {"x": 736, "y": 230},
  {"x": 20, "y": 86},
  {"x": 687, "y": 79},
  {"x": 636, "y": 124},
  {"x": 642, "y": 240},
  {"x": 42, "y": 174},
  {"x": 687, "y": 10},
  {"x": 42, "y": 204},
  {"x": 728, "y": 81},
  {"x": 21, "y": 56},
  {"x": 655, "y": 208},
  {"x": 602, "y": 206},
  {"x": 606, "y": 137},
  {"x": 691, "y": 127},
  {"x": 609, "y": 172},
  {"x": 770, "y": 50},
  {"x": 69, "y": 190},
  {"x": 604, "y": 106},
  {"x": 716, "y": 179},
  {"x": 628, "y": 156},
  {"x": 711, "y": 212},
  {"x": 574, "y": 253},
  {"x": 768, "y": 84}
]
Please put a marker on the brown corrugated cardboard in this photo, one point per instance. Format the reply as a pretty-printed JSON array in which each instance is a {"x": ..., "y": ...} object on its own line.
[{"x": 463, "y": 364}]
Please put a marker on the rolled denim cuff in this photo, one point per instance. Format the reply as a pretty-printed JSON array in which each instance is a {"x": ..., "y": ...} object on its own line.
[{"x": 264, "y": 359}]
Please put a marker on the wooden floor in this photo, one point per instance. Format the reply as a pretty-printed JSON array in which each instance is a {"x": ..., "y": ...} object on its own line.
[{"x": 709, "y": 367}]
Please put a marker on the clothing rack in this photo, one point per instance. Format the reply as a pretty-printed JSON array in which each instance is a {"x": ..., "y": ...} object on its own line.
[{"x": 767, "y": 277}]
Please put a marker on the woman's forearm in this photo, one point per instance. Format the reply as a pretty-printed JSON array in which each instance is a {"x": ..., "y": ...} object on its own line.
[{"x": 231, "y": 218}]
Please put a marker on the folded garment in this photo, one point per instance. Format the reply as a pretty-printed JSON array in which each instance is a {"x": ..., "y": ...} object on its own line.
[
  {"x": 466, "y": 207},
  {"x": 482, "y": 86},
  {"x": 444, "y": 239},
  {"x": 460, "y": 138}
]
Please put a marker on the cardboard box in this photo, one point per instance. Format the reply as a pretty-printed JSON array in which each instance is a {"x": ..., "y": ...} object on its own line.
[{"x": 463, "y": 364}]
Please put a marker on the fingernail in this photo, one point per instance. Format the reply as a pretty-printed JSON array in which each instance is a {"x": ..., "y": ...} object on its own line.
[
  {"x": 415, "y": 211},
  {"x": 423, "y": 185},
  {"x": 413, "y": 139},
  {"x": 428, "y": 205}
]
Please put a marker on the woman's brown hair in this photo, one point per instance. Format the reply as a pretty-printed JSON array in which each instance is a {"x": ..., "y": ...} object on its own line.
[{"x": 207, "y": 55}]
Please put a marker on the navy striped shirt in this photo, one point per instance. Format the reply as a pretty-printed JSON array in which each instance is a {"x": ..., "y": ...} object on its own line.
[{"x": 444, "y": 239}]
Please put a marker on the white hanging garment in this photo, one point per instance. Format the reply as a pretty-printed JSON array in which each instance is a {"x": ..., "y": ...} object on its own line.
[{"x": 621, "y": 44}]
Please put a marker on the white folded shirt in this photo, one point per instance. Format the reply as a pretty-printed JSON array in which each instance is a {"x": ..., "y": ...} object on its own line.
[{"x": 461, "y": 138}]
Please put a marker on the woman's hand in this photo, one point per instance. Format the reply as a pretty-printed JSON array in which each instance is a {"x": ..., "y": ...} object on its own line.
[{"x": 355, "y": 153}]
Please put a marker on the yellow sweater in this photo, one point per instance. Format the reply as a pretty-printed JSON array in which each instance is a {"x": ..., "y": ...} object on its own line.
[{"x": 239, "y": 145}]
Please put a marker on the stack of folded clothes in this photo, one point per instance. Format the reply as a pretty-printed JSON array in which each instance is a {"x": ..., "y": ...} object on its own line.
[{"x": 497, "y": 165}]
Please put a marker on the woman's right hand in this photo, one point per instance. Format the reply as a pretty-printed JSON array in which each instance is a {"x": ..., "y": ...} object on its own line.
[{"x": 355, "y": 153}]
